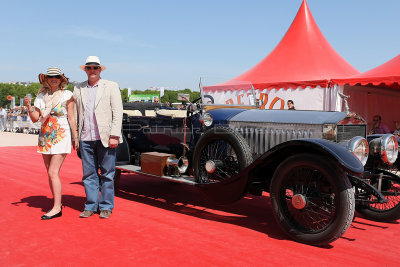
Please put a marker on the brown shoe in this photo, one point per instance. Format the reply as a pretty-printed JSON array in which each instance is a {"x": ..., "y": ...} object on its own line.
[
  {"x": 86, "y": 214},
  {"x": 104, "y": 214}
]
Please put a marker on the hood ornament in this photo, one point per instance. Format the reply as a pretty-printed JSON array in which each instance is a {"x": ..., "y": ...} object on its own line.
[{"x": 346, "y": 105}]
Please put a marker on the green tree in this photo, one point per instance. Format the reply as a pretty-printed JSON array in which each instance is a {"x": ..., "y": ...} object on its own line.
[
  {"x": 17, "y": 91},
  {"x": 124, "y": 95}
]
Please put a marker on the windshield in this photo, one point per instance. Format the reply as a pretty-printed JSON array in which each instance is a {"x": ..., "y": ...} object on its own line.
[{"x": 231, "y": 93}]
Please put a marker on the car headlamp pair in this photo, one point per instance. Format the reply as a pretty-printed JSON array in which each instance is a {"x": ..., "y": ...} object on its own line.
[{"x": 385, "y": 148}]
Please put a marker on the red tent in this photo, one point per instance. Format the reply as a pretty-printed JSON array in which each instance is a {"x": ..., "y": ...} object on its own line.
[
  {"x": 375, "y": 92},
  {"x": 302, "y": 58},
  {"x": 305, "y": 59},
  {"x": 387, "y": 74},
  {"x": 302, "y": 61}
]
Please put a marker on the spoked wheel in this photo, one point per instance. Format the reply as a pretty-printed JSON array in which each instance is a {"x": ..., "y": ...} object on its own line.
[
  {"x": 312, "y": 199},
  {"x": 389, "y": 211},
  {"x": 220, "y": 154}
]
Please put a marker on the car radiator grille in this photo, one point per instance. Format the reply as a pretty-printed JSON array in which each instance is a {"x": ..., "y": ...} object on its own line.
[
  {"x": 346, "y": 132},
  {"x": 261, "y": 140}
]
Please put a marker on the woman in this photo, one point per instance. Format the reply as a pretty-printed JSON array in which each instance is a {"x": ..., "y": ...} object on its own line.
[{"x": 54, "y": 107}]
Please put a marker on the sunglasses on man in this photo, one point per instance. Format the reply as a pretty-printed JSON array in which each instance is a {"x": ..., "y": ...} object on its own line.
[
  {"x": 94, "y": 67},
  {"x": 54, "y": 77}
]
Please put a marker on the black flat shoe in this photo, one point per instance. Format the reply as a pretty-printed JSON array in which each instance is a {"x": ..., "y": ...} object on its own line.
[{"x": 45, "y": 217}]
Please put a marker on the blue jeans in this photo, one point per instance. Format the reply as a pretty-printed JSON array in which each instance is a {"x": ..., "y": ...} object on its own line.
[{"x": 94, "y": 157}]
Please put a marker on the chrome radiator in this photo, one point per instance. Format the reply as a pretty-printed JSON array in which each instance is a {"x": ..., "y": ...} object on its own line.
[
  {"x": 346, "y": 132},
  {"x": 261, "y": 137}
]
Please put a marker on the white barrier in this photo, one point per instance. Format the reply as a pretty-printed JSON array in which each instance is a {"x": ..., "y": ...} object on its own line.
[{"x": 22, "y": 124}]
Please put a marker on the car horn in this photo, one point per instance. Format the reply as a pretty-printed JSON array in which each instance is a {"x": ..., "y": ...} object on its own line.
[{"x": 178, "y": 165}]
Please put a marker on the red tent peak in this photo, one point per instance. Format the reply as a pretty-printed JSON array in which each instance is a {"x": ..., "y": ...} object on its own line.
[{"x": 303, "y": 54}]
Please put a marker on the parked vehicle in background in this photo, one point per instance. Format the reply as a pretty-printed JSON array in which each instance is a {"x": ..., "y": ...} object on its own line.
[{"x": 310, "y": 162}]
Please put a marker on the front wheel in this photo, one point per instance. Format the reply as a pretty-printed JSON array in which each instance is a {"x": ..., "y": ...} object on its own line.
[
  {"x": 312, "y": 199},
  {"x": 220, "y": 154}
]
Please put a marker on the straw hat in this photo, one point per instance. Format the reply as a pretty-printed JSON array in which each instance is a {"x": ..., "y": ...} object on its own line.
[
  {"x": 53, "y": 71},
  {"x": 92, "y": 61}
]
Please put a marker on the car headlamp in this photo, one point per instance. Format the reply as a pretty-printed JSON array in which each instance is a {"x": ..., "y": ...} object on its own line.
[
  {"x": 385, "y": 147},
  {"x": 359, "y": 147},
  {"x": 206, "y": 119}
]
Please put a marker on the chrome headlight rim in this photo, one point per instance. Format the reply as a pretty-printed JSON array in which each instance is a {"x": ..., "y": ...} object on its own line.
[
  {"x": 359, "y": 147},
  {"x": 379, "y": 148},
  {"x": 206, "y": 119},
  {"x": 387, "y": 156}
]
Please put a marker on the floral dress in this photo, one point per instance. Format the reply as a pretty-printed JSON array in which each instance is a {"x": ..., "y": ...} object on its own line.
[{"x": 55, "y": 133}]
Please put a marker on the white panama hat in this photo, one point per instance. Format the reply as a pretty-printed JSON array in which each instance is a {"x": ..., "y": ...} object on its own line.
[{"x": 92, "y": 61}]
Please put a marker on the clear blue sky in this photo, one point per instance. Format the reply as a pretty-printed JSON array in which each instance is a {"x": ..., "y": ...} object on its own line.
[{"x": 173, "y": 43}]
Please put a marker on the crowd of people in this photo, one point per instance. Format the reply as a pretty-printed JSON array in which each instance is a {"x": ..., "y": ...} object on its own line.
[
  {"x": 378, "y": 127},
  {"x": 17, "y": 120}
]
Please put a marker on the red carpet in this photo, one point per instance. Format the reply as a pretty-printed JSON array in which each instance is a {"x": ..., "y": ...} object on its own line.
[{"x": 160, "y": 223}]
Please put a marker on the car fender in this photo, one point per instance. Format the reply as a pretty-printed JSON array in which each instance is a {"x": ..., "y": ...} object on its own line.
[{"x": 335, "y": 151}]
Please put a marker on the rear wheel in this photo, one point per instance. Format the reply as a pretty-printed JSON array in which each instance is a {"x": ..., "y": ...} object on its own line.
[{"x": 312, "y": 199}]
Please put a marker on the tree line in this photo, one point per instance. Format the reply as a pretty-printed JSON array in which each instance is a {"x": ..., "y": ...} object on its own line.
[
  {"x": 20, "y": 91},
  {"x": 170, "y": 96}
]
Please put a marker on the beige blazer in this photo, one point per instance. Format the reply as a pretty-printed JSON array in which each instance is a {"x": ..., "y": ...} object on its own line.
[{"x": 108, "y": 109}]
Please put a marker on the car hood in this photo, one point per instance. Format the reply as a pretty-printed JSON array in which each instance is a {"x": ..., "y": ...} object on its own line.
[{"x": 277, "y": 116}]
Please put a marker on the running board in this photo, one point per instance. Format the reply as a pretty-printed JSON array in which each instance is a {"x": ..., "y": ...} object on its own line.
[{"x": 184, "y": 179}]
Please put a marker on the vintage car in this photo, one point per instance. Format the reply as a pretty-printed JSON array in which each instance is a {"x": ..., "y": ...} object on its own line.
[{"x": 310, "y": 162}]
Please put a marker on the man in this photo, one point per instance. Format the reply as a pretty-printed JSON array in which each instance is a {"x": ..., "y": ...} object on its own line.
[
  {"x": 99, "y": 110},
  {"x": 378, "y": 127},
  {"x": 3, "y": 119},
  {"x": 290, "y": 105}
]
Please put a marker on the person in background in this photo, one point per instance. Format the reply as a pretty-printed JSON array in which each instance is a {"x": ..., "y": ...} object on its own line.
[
  {"x": 397, "y": 126},
  {"x": 9, "y": 120},
  {"x": 99, "y": 109},
  {"x": 290, "y": 105},
  {"x": 378, "y": 127},
  {"x": 54, "y": 107},
  {"x": 183, "y": 106},
  {"x": 24, "y": 111},
  {"x": 3, "y": 119}
]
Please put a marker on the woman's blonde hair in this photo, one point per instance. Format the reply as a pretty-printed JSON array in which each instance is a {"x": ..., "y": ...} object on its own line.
[{"x": 46, "y": 86}]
